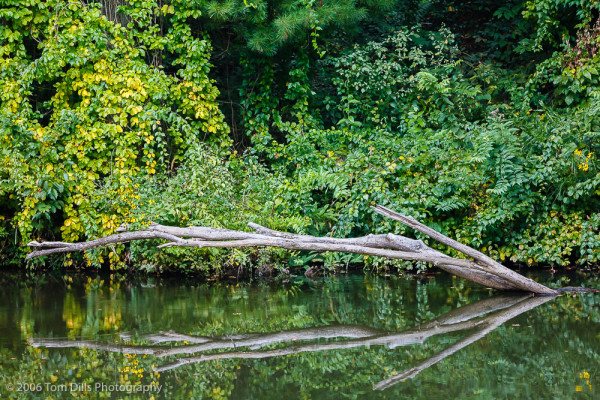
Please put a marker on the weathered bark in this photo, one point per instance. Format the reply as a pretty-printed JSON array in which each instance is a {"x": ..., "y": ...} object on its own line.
[
  {"x": 483, "y": 270},
  {"x": 491, "y": 266},
  {"x": 484, "y": 316}
]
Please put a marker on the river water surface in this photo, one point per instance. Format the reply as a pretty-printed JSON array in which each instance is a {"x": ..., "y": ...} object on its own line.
[{"x": 357, "y": 337}]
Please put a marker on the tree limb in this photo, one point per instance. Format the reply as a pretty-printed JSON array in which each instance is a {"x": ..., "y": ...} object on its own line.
[
  {"x": 492, "y": 266},
  {"x": 483, "y": 270}
]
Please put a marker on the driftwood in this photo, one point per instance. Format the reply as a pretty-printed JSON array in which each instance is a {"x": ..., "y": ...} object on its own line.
[
  {"x": 483, "y": 317},
  {"x": 483, "y": 270}
]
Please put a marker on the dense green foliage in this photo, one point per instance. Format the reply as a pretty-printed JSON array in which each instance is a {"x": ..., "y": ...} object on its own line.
[
  {"x": 88, "y": 106},
  {"x": 481, "y": 119}
]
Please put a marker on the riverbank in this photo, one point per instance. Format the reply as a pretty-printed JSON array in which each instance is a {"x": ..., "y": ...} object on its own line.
[{"x": 559, "y": 277}]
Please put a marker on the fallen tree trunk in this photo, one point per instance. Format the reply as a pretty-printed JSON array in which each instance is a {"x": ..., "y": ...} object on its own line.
[{"x": 483, "y": 270}]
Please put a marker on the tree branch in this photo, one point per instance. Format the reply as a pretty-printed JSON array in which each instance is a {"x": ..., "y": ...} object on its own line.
[
  {"x": 483, "y": 270},
  {"x": 491, "y": 266}
]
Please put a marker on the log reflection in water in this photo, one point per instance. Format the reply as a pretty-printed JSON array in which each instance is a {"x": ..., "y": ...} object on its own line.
[
  {"x": 484, "y": 316},
  {"x": 492, "y": 322}
]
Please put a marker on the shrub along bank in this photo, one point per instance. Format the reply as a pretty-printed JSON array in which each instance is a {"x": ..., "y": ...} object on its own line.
[{"x": 301, "y": 121}]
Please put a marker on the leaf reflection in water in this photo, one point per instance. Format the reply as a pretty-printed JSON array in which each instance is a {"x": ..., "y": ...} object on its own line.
[{"x": 482, "y": 316}]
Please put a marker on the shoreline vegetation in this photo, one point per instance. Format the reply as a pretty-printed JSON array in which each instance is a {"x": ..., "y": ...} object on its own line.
[
  {"x": 253, "y": 276},
  {"x": 481, "y": 120}
]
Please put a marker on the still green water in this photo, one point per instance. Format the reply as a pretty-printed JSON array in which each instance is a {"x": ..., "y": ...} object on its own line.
[{"x": 357, "y": 337}]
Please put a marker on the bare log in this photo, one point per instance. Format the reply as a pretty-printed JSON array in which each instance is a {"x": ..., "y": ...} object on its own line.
[
  {"x": 168, "y": 336},
  {"x": 492, "y": 266},
  {"x": 483, "y": 270},
  {"x": 62, "y": 247}
]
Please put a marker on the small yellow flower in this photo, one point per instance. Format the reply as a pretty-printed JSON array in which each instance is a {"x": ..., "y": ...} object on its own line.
[{"x": 578, "y": 388}]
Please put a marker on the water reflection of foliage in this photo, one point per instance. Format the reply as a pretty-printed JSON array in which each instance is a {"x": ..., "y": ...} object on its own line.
[{"x": 509, "y": 362}]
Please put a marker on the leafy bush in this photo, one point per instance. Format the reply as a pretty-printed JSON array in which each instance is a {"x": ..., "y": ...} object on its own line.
[
  {"x": 110, "y": 117},
  {"x": 209, "y": 191},
  {"x": 89, "y": 103},
  {"x": 414, "y": 132}
]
